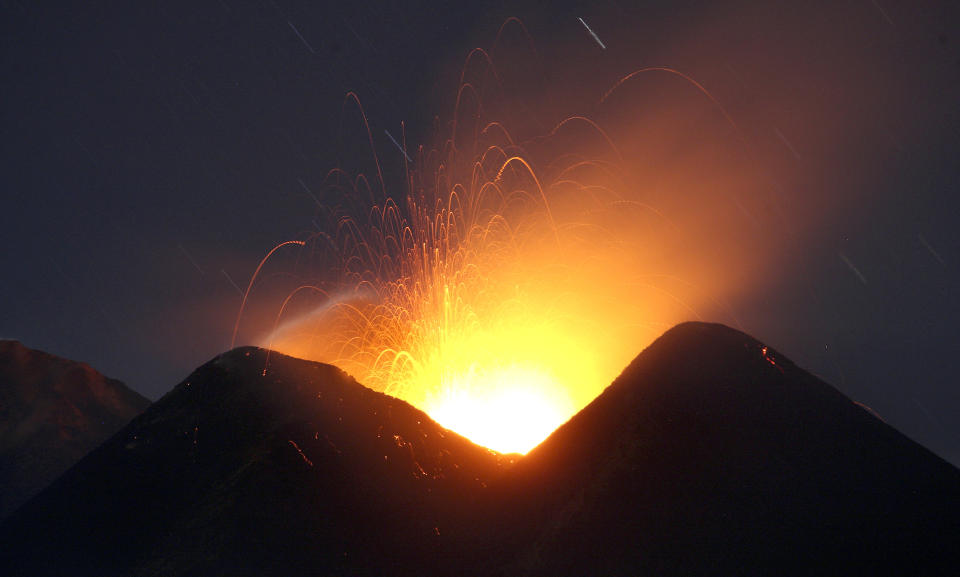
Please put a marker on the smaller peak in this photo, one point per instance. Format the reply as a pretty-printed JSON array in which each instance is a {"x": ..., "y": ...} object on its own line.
[
  {"x": 698, "y": 333},
  {"x": 692, "y": 349},
  {"x": 244, "y": 355},
  {"x": 241, "y": 352},
  {"x": 257, "y": 367},
  {"x": 701, "y": 328},
  {"x": 12, "y": 344},
  {"x": 247, "y": 354},
  {"x": 15, "y": 348}
]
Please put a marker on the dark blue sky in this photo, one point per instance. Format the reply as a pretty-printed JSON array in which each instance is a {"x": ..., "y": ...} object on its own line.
[{"x": 153, "y": 152}]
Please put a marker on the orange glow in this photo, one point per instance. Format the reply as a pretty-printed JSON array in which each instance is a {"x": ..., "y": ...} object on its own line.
[
  {"x": 515, "y": 279},
  {"x": 508, "y": 409},
  {"x": 485, "y": 311}
]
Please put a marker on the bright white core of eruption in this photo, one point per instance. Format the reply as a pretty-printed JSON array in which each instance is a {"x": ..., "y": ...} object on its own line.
[
  {"x": 499, "y": 299},
  {"x": 509, "y": 409}
]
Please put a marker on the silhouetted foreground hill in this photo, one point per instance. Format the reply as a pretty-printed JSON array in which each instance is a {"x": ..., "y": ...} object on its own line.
[
  {"x": 292, "y": 470},
  {"x": 713, "y": 454},
  {"x": 710, "y": 454},
  {"x": 52, "y": 412}
]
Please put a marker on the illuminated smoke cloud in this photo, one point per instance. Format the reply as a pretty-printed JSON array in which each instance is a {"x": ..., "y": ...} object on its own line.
[{"x": 508, "y": 279}]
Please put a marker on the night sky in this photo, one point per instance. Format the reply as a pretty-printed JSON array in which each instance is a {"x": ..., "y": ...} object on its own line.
[{"x": 153, "y": 152}]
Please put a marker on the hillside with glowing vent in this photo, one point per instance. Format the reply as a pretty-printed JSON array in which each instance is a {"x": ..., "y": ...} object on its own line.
[
  {"x": 511, "y": 272},
  {"x": 712, "y": 453}
]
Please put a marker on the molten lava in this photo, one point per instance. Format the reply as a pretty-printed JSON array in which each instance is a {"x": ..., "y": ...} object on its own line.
[
  {"x": 514, "y": 278},
  {"x": 479, "y": 304},
  {"x": 511, "y": 409}
]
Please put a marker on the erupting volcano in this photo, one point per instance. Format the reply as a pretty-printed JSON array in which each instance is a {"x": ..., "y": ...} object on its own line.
[
  {"x": 402, "y": 284},
  {"x": 711, "y": 453},
  {"x": 512, "y": 277}
]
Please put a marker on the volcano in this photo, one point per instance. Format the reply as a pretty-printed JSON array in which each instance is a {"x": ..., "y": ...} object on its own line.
[
  {"x": 53, "y": 411},
  {"x": 711, "y": 454}
]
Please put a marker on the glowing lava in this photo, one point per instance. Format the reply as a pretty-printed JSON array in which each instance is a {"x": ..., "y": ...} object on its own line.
[
  {"x": 512, "y": 280},
  {"x": 510, "y": 409},
  {"x": 479, "y": 305}
]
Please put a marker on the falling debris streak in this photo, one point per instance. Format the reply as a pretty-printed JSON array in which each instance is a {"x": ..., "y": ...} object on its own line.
[
  {"x": 935, "y": 254},
  {"x": 330, "y": 444},
  {"x": 883, "y": 12},
  {"x": 187, "y": 91},
  {"x": 357, "y": 36},
  {"x": 366, "y": 124},
  {"x": 300, "y": 36},
  {"x": 236, "y": 327},
  {"x": 233, "y": 284},
  {"x": 787, "y": 143},
  {"x": 308, "y": 191},
  {"x": 592, "y": 33},
  {"x": 651, "y": 69},
  {"x": 765, "y": 351},
  {"x": 190, "y": 258},
  {"x": 869, "y": 409},
  {"x": 397, "y": 144},
  {"x": 302, "y": 455},
  {"x": 929, "y": 415},
  {"x": 746, "y": 213},
  {"x": 736, "y": 75},
  {"x": 852, "y": 268}
]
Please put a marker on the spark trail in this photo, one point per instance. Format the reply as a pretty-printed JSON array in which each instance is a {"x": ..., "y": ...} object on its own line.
[
  {"x": 592, "y": 33},
  {"x": 510, "y": 279}
]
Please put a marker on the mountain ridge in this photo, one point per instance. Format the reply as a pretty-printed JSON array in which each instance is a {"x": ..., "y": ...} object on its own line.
[
  {"x": 710, "y": 454},
  {"x": 225, "y": 466},
  {"x": 739, "y": 455},
  {"x": 53, "y": 411}
]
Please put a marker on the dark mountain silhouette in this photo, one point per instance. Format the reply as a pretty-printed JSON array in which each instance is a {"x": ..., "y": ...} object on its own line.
[
  {"x": 52, "y": 412},
  {"x": 710, "y": 454},
  {"x": 713, "y": 454},
  {"x": 295, "y": 469}
]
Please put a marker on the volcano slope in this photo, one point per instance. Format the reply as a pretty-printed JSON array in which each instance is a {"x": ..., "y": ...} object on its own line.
[
  {"x": 710, "y": 454},
  {"x": 713, "y": 454},
  {"x": 257, "y": 467},
  {"x": 53, "y": 411}
]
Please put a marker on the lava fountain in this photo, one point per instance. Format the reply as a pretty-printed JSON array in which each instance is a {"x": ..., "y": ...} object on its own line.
[{"x": 506, "y": 286}]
